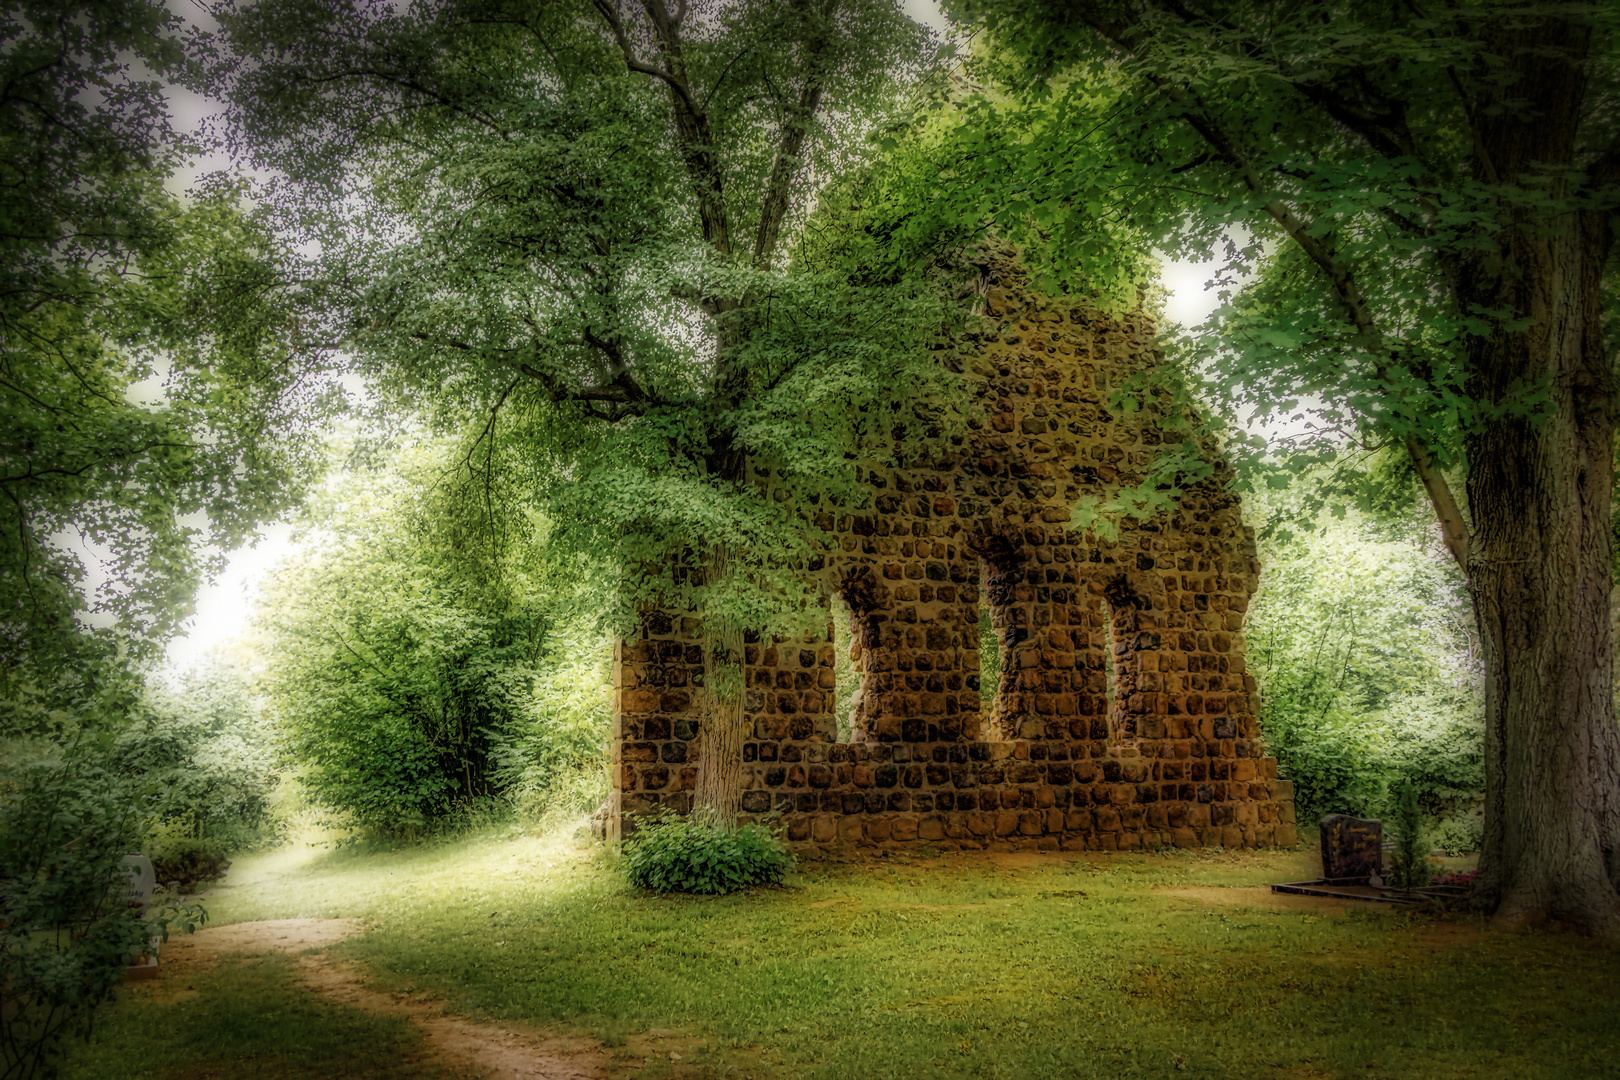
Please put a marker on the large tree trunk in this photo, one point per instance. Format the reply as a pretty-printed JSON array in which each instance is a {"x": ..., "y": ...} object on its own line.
[
  {"x": 1539, "y": 573},
  {"x": 721, "y": 773},
  {"x": 1539, "y": 560}
]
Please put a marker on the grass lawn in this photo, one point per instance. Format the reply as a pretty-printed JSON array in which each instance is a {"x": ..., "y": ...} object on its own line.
[{"x": 919, "y": 966}]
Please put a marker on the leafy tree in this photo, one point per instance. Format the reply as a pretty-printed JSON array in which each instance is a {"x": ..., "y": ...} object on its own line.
[
  {"x": 415, "y": 661},
  {"x": 1431, "y": 191},
  {"x": 210, "y": 749},
  {"x": 1363, "y": 645},
  {"x": 66, "y": 928},
  {"x": 151, "y": 404},
  {"x": 571, "y": 222}
]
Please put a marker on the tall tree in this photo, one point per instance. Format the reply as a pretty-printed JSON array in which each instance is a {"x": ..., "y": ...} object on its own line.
[
  {"x": 150, "y": 404},
  {"x": 1432, "y": 188},
  {"x": 571, "y": 220}
]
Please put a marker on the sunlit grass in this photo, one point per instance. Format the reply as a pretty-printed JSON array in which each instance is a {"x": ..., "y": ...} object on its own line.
[{"x": 953, "y": 966}]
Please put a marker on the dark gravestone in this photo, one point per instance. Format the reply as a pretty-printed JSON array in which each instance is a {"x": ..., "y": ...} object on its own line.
[{"x": 1352, "y": 849}]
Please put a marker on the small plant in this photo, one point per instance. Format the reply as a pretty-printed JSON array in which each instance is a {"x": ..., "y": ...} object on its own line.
[
  {"x": 1406, "y": 819},
  {"x": 1461, "y": 878},
  {"x": 187, "y": 862},
  {"x": 670, "y": 853}
]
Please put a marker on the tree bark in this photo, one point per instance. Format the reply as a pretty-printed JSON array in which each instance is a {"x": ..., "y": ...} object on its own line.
[
  {"x": 1540, "y": 560},
  {"x": 718, "y": 794}
]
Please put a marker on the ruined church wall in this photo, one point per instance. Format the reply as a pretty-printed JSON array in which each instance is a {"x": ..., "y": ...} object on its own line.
[{"x": 1125, "y": 715}]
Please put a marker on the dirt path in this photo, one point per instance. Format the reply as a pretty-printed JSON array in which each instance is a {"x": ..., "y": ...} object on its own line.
[{"x": 500, "y": 1053}]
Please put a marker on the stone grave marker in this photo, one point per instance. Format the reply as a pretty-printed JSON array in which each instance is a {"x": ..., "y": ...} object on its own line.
[
  {"x": 142, "y": 882},
  {"x": 1352, "y": 849}
]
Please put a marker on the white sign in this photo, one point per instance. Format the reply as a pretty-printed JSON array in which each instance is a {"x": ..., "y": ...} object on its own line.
[{"x": 142, "y": 880}]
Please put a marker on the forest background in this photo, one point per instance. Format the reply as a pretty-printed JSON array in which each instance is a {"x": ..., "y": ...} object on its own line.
[{"x": 286, "y": 344}]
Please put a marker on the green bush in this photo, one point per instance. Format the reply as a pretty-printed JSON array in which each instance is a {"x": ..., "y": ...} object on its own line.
[
  {"x": 1335, "y": 759},
  {"x": 1463, "y": 833},
  {"x": 425, "y": 658},
  {"x": 207, "y": 751},
  {"x": 186, "y": 861},
  {"x": 1362, "y": 643},
  {"x": 66, "y": 928},
  {"x": 674, "y": 854},
  {"x": 1410, "y": 864}
]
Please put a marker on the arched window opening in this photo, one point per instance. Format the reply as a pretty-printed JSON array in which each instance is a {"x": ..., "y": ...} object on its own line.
[
  {"x": 1121, "y": 723},
  {"x": 846, "y": 668},
  {"x": 989, "y": 651}
]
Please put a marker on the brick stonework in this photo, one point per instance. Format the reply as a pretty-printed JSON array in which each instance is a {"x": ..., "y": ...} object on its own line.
[{"x": 1170, "y": 756}]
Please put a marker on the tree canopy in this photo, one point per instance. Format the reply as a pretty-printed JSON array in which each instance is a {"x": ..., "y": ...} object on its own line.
[
  {"x": 152, "y": 406},
  {"x": 568, "y": 227}
]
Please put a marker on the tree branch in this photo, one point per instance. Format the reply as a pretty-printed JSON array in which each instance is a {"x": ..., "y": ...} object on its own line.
[
  {"x": 1319, "y": 251},
  {"x": 692, "y": 129},
  {"x": 795, "y": 129}
]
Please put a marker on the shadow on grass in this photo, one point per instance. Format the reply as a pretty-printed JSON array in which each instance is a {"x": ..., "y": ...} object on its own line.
[{"x": 245, "y": 1018}]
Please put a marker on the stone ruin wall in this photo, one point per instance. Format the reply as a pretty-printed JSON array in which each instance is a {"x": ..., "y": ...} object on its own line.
[{"x": 1164, "y": 750}]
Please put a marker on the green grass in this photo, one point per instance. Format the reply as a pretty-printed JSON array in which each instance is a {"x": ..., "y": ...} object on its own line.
[
  {"x": 250, "y": 1016},
  {"x": 953, "y": 967}
]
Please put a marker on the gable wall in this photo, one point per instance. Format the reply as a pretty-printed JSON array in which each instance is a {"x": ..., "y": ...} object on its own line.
[{"x": 1169, "y": 755}]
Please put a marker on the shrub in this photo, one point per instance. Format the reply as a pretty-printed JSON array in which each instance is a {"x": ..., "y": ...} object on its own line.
[
  {"x": 674, "y": 854},
  {"x": 66, "y": 929},
  {"x": 1335, "y": 759},
  {"x": 206, "y": 751},
  {"x": 1406, "y": 816},
  {"x": 186, "y": 862},
  {"x": 1460, "y": 834}
]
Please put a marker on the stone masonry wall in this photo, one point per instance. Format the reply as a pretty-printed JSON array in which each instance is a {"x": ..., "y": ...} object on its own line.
[{"x": 1160, "y": 747}]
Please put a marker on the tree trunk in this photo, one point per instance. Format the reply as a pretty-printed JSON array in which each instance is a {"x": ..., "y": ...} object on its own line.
[
  {"x": 720, "y": 778},
  {"x": 1539, "y": 561},
  {"x": 718, "y": 795}
]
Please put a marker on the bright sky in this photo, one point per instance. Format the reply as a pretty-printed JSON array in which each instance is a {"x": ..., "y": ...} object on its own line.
[{"x": 225, "y": 606}]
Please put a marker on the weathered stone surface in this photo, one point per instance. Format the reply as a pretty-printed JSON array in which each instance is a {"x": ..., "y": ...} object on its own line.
[
  {"x": 1125, "y": 715},
  {"x": 1352, "y": 848}
]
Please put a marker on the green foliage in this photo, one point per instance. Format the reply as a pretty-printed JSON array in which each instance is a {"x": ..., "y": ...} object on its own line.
[
  {"x": 424, "y": 655},
  {"x": 152, "y": 407},
  {"x": 989, "y": 656},
  {"x": 1460, "y": 834},
  {"x": 519, "y": 240},
  {"x": 66, "y": 931},
  {"x": 669, "y": 853},
  {"x": 207, "y": 748},
  {"x": 1363, "y": 647},
  {"x": 1411, "y": 867},
  {"x": 551, "y": 756},
  {"x": 185, "y": 862},
  {"x": 1336, "y": 760}
]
